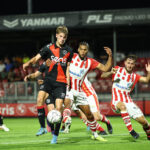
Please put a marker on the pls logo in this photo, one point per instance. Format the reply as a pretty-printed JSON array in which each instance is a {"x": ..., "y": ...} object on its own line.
[{"x": 10, "y": 24}]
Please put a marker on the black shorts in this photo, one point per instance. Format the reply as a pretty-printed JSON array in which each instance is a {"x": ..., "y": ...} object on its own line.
[
  {"x": 57, "y": 89},
  {"x": 50, "y": 100}
]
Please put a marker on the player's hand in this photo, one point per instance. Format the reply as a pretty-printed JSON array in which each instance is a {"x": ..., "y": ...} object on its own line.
[
  {"x": 147, "y": 66},
  {"x": 114, "y": 70},
  {"x": 25, "y": 66},
  {"x": 26, "y": 78},
  {"x": 108, "y": 51},
  {"x": 48, "y": 62}
]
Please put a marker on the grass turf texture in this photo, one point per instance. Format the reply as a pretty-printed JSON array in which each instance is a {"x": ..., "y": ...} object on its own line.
[{"x": 23, "y": 130}]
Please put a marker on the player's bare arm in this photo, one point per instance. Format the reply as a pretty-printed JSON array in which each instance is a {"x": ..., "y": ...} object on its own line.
[
  {"x": 32, "y": 76},
  {"x": 68, "y": 75},
  {"x": 108, "y": 64},
  {"x": 147, "y": 78},
  {"x": 31, "y": 61},
  {"x": 108, "y": 74}
]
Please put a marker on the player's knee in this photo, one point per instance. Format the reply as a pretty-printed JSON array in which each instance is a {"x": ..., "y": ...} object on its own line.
[
  {"x": 90, "y": 116},
  {"x": 122, "y": 108},
  {"x": 39, "y": 101}
]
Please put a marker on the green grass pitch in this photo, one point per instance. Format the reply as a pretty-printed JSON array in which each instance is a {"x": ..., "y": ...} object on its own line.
[{"x": 23, "y": 130}]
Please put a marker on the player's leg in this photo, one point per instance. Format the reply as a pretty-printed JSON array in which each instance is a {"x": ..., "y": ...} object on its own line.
[
  {"x": 59, "y": 93},
  {"x": 3, "y": 126},
  {"x": 137, "y": 114},
  {"x": 67, "y": 115},
  {"x": 95, "y": 109},
  {"x": 98, "y": 126},
  {"x": 50, "y": 126},
  {"x": 146, "y": 126},
  {"x": 126, "y": 118},
  {"x": 58, "y": 106},
  {"x": 42, "y": 95},
  {"x": 91, "y": 121}
]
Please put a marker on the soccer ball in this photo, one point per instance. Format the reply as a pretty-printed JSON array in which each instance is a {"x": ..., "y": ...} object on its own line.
[{"x": 54, "y": 116}]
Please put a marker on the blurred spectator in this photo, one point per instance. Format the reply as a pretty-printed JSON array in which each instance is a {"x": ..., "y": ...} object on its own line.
[
  {"x": 2, "y": 66},
  {"x": 11, "y": 75},
  {"x": 8, "y": 64},
  {"x": 25, "y": 58},
  {"x": 17, "y": 61}
]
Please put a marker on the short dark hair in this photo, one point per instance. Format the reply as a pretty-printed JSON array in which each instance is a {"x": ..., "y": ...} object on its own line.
[
  {"x": 84, "y": 43},
  {"x": 131, "y": 56}
]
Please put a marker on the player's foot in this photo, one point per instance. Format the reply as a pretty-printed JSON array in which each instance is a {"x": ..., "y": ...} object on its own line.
[
  {"x": 88, "y": 128},
  {"x": 102, "y": 132},
  {"x": 147, "y": 130},
  {"x": 67, "y": 125},
  {"x": 41, "y": 131},
  {"x": 3, "y": 127},
  {"x": 109, "y": 128},
  {"x": 54, "y": 139},
  {"x": 134, "y": 134},
  {"x": 98, "y": 138}
]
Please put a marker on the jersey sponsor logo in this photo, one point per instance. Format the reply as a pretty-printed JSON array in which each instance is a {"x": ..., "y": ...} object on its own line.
[
  {"x": 97, "y": 19},
  {"x": 77, "y": 74},
  {"x": 58, "y": 59}
]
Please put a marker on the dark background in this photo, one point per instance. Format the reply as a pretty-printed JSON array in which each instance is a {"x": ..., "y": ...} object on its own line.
[
  {"x": 129, "y": 38},
  {"x": 12, "y": 7}
]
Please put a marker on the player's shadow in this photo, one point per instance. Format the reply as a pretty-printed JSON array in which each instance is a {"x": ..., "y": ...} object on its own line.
[
  {"x": 74, "y": 140},
  {"x": 130, "y": 139}
]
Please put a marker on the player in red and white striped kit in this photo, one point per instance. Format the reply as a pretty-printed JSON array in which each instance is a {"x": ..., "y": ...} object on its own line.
[
  {"x": 78, "y": 70},
  {"x": 124, "y": 81},
  {"x": 94, "y": 107}
]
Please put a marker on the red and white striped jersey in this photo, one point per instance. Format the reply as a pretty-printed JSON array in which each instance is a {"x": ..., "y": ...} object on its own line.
[
  {"x": 78, "y": 71},
  {"x": 123, "y": 84}
]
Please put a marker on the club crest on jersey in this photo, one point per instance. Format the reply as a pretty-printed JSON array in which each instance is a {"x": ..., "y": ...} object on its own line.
[{"x": 64, "y": 52}]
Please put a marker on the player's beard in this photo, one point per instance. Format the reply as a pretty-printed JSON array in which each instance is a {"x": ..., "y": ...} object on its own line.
[
  {"x": 82, "y": 58},
  {"x": 129, "y": 71}
]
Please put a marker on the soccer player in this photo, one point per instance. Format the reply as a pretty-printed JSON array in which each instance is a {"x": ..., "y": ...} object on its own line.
[
  {"x": 3, "y": 126},
  {"x": 55, "y": 81},
  {"x": 94, "y": 107},
  {"x": 79, "y": 91},
  {"x": 124, "y": 81},
  {"x": 49, "y": 101}
]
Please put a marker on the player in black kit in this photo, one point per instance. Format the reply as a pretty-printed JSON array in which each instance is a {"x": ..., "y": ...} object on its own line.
[{"x": 55, "y": 81}]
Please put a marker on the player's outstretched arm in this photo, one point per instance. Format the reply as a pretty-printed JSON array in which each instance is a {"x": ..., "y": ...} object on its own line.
[
  {"x": 147, "y": 78},
  {"x": 31, "y": 61},
  {"x": 108, "y": 64},
  {"x": 32, "y": 76},
  {"x": 108, "y": 74}
]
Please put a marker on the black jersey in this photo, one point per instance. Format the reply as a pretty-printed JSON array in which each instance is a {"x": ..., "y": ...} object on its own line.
[{"x": 59, "y": 57}]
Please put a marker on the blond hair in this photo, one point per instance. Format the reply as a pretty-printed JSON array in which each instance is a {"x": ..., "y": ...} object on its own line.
[{"x": 62, "y": 29}]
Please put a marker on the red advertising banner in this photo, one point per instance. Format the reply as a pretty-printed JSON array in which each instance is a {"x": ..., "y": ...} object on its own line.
[{"x": 30, "y": 110}]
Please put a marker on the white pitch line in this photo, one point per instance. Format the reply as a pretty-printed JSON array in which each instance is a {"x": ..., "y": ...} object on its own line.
[{"x": 61, "y": 139}]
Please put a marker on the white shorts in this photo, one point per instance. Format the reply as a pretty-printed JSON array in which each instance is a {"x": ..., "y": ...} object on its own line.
[
  {"x": 133, "y": 110},
  {"x": 93, "y": 102},
  {"x": 79, "y": 98},
  {"x": 74, "y": 107}
]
